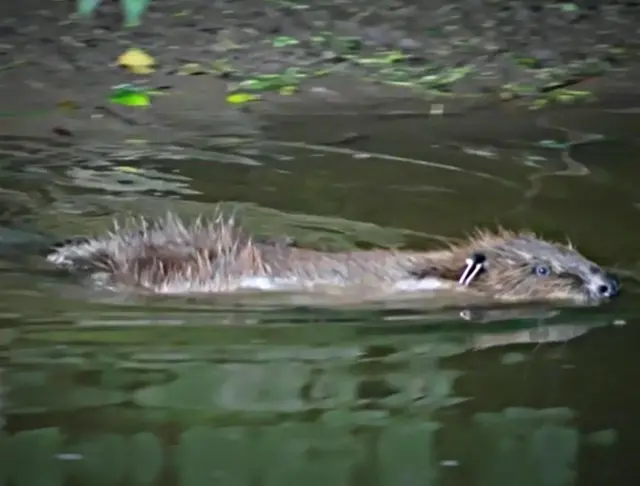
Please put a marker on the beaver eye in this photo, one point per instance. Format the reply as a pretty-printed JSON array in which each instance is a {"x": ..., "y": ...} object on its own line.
[{"x": 541, "y": 270}]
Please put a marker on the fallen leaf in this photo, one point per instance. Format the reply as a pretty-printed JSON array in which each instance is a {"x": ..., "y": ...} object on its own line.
[
  {"x": 239, "y": 98},
  {"x": 137, "y": 61},
  {"x": 288, "y": 90},
  {"x": 284, "y": 40},
  {"x": 130, "y": 98}
]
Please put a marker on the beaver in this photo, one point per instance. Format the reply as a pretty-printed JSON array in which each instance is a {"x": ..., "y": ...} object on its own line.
[{"x": 169, "y": 256}]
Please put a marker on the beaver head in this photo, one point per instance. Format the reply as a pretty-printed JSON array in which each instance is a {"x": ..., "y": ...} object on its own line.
[{"x": 521, "y": 266}]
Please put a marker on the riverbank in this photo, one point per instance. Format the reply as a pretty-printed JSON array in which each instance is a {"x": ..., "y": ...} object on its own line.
[{"x": 218, "y": 67}]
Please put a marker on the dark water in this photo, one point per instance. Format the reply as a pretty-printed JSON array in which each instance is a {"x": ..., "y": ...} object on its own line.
[{"x": 110, "y": 390}]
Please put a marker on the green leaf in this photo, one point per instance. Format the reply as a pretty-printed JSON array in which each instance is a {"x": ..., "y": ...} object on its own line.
[
  {"x": 258, "y": 84},
  {"x": 130, "y": 98},
  {"x": 284, "y": 40}
]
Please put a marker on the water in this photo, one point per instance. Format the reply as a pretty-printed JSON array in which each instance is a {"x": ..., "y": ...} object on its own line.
[{"x": 106, "y": 390}]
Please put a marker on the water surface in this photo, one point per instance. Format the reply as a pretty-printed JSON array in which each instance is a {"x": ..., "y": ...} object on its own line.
[{"x": 102, "y": 389}]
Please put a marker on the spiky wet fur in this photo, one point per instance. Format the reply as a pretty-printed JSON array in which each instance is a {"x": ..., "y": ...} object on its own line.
[{"x": 218, "y": 255}]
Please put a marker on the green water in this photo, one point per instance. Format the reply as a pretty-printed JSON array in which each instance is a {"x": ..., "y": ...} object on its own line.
[{"x": 105, "y": 390}]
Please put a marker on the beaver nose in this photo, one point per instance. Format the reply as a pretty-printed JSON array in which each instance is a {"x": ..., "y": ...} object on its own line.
[{"x": 607, "y": 286}]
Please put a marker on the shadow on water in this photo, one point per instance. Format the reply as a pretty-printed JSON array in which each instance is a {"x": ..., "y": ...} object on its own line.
[{"x": 108, "y": 390}]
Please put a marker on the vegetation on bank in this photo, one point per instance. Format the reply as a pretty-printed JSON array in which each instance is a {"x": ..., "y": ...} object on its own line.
[{"x": 446, "y": 59}]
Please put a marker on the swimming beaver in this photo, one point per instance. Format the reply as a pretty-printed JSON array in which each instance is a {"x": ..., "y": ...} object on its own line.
[{"x": 169, "y": 256}]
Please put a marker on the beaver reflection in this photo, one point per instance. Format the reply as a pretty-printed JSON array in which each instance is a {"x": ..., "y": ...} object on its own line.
[{"x": 169, "y": 256}]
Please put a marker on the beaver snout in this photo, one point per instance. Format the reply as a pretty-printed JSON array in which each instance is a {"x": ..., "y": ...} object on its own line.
[{"x": 603, "y": 285}]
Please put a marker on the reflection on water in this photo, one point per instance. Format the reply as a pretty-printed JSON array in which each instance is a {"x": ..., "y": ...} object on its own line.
[{"x": 104, "y": 389}]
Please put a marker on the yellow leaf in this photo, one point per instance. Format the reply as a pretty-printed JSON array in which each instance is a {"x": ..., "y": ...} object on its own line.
[
  {"x": 239, "y": 98},
  {"x": 137, "y": 61}
]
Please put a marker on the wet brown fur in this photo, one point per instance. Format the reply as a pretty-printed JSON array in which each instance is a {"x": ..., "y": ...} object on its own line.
[{"x": 170, "y": 257}]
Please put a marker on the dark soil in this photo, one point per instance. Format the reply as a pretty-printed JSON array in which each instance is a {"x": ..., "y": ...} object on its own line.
[{"x": 388, "y": 56}]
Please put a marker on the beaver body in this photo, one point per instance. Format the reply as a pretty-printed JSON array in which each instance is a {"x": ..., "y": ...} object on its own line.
[{"x": 171, "y": 257}]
